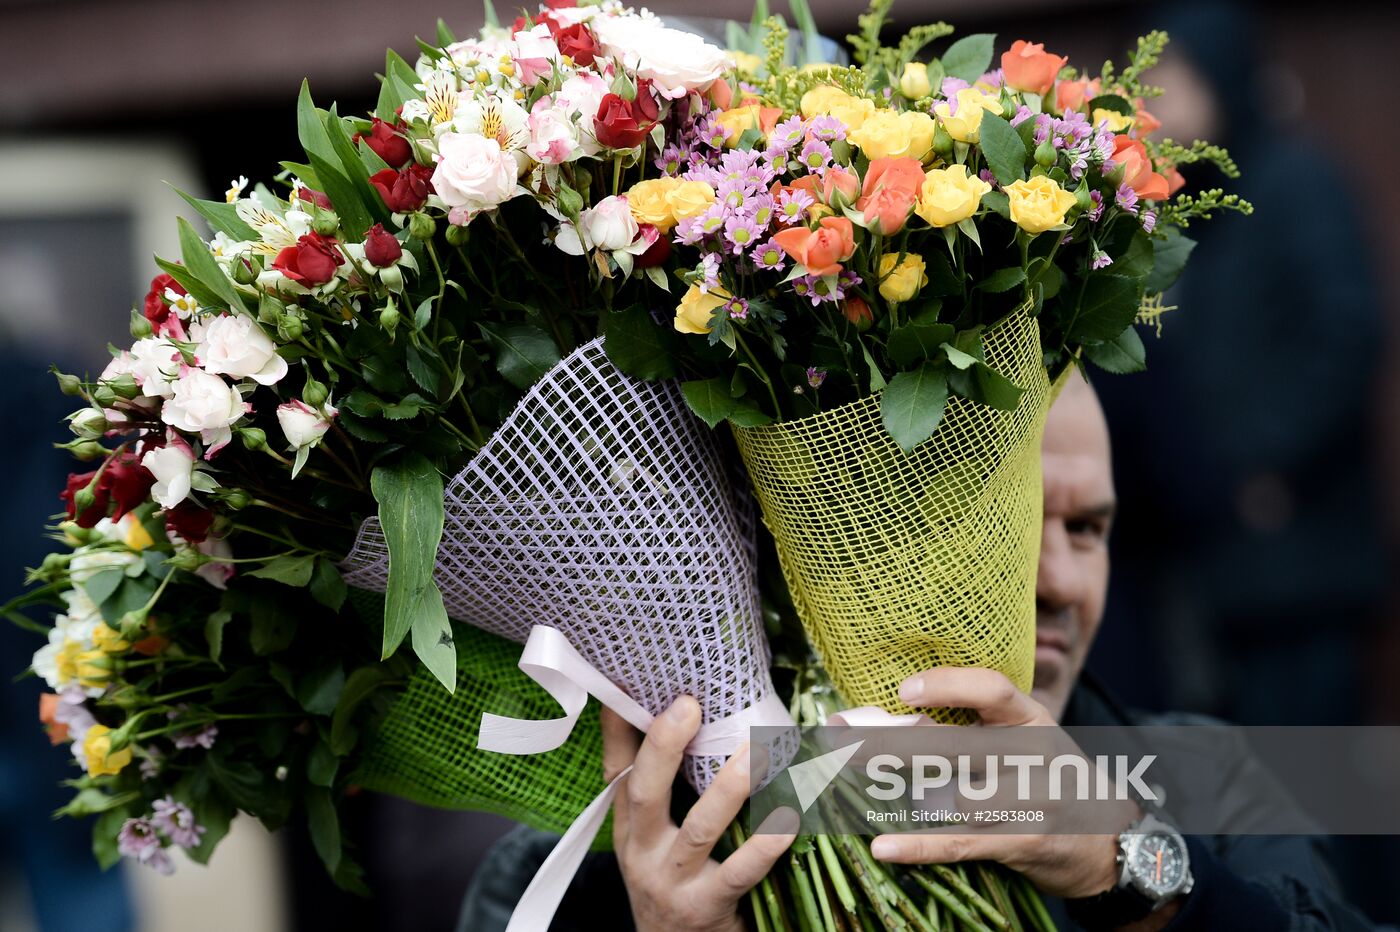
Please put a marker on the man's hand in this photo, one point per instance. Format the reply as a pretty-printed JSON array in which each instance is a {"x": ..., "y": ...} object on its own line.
[
  {"x": 673, "y": 883},
  {"x": 1065, "y": 865}
]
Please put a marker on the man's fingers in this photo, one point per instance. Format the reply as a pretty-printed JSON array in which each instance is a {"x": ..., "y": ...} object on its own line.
[
  {"x": 938, "y": 849},
  {"x": 742, "y": 870},
  {"x": 658, "y": 760},
  {"x": 995, "y": 698},
  {"x": 706, "y": 821}
]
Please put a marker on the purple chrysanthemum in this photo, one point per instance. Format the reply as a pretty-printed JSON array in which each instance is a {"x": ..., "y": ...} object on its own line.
[
  {"x": 1149, "y": 220},
  {"x": 786, "y": 135},
  {"x": 827, "y": 128},
  {"x": 816, "y": 156},
  {"x": 793, "y": 205},
  {"x": 737, "y": 309},
  {"x": 1126, "y": 198},
  {"x": 815, "y": 376},
  {"x": 741, "y": 232},
  {"x": 176, "y": 821},
  {"x": 769, "y": 255},
  {"x": 1096, "y": 211},
  {"x": 136, "y": 837}
]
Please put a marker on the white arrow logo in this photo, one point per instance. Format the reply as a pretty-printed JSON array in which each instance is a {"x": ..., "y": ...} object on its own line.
[{"x": 811, "y": 777}]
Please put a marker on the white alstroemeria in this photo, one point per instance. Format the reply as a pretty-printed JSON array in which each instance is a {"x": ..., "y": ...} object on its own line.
[
  {"x": 155, "y": 365},
  {"x": 225, "y": 248},
  {"x": 203, "y": 403},
  {"x": 235, "y": 188},
  {"x": 505, "y": 121},
  {"x": 173, "y": 467},
  {"x": 237, "y": 346},
  {"x": 440, "y": 95},
  {"x": 276, "y": 229},
  {"x": 183, "y": 306}
]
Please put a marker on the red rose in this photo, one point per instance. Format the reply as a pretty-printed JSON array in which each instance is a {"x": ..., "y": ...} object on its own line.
[
  {"x": 576, "y": 42},
  {"x": 312, "y": 196},
  {"x": 189, "y": 521},
  {"x": 381, "y": 249},
  {"x": 128, "y": 481},
  {"x": 521, "y": 23},
  {"x": 404, "y": 191},
  {"x": 312, "y": 261},
  {"x": 623, "y": 124},
  {"x": 155, "y": 308},
  {"x": 387, "y": 142},
  {"x": 94, "y": 513},
  {"x": 658, "y": 252},
  {"x": 561, "y": 4}
]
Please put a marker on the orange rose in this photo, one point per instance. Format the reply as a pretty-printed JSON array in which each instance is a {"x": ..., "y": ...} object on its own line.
[
  {"x": 1175, "y": 181},
  {"x": 1028, "y": 67},
  {"x": 1145, "y": 123},
  {"x": 1073, "y": 95},
  {"x": 721, "y": 94},
  {"x": 890, "y": 190},
  {"x": 1137, "y": 169},
  {"x": 767, "y": 116},
  {"x": 858, "y": 313},
  {"x": 821, "y": 250},
  {"x": 48, "y": 712}
]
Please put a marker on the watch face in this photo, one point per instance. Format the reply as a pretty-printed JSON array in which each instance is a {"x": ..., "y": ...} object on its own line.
[{"x": 1158, "y": 864}]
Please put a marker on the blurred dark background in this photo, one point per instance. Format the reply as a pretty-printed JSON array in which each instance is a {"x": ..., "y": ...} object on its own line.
[{"x": 1254, "y": 553}]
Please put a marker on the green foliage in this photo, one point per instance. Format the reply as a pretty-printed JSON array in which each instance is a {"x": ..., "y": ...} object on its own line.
[{"x": 912, "y": 404}]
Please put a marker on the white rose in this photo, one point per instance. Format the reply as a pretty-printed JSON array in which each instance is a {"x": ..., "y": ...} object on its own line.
[
  {"x": 473, "y": 172},
  {"x": 204, "y": 403},
  {"x": 89, "y": 423},
  {"x": 676, "y": 62},
  {"x": 236, "y": 346},
  {"x": 303, "y": 424},
  {"x": 609, "y": 224},
  {"x": 173, "y": 467},
  {"x": 535, "y": 54},
  {"x": 155, "y": 365},
  {"x": 218, "y": 572},
  {"x": 553, "y": 137}
]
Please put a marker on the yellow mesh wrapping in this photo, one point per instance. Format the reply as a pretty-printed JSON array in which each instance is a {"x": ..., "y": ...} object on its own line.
[{"x": 897, "y": 561}]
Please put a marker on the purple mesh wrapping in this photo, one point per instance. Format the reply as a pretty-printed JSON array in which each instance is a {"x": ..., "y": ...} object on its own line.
[{"x": 604, "y": 508}]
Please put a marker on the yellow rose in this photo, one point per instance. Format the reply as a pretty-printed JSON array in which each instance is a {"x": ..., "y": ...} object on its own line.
[
  {"x": 921, "y": 128},
  {"x": 696, "y": 308},
  {"x": 109, "y": 641},
  {"x": 648, "y": 203},
  {"x": 949, "y": 195},
  {"x": 900, "y": 281},
  {"x": 689, "y": 199},
  {"x": 101, "y": 759},
  {"x": 914, "y": 82},
  {"x": 94, "y": 669},
  {"x": 66, "y": 663},
  {"x": 966, "y": 124},
  {"x": 825, "y": 99},
  {"x": 738, "y": 121},
  {"x": 1117, "y": 122},
  {"x": 892, "y": 135},
  {"x": 137, "y": 537},
  {"x": 746, "y": 62},
  {"x": 1039, "y": 204}
]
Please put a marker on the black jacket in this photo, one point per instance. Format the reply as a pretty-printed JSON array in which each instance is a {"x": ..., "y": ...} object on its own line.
[{"x": 1251, "y": 882}]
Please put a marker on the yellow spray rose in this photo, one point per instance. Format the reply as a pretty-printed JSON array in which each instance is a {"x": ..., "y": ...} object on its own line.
[
  {"x": 1117, "y": 122},
  {"x": 102, "y": 761},
  {"x": 109, "y": 641},
  {"x": 825, "y": 99},
  {"x": 949, "y": 195},
  {"x": 736, "y": 122},
  {"x": 892, "y": 135},
  {"x": 94, "y": 669},
  {"x": 966, "y": 124},
  {"x": 689, "y": 199},
  {"x": 1038, "y": 204},
  {"x": 647, "y": 201},
  {"x": 901, "y": 280},
  {"x": 746, "y": 62},
  {"x": 914, "y": 82},
  {"x": 696, "y": 308}
]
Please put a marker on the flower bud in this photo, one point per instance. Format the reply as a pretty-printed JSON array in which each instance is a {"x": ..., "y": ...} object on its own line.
[
  {"x": 270, "y": 310},
  {"x": 125, "y": 386},
  {"x": 236, "y": 499},
  {"x": 421, "y": 226},
  {"x": 1081, "y": 196},
  {"x": 289, "y": 328},
  {"x": 392, "y": 277},
  {"x": 315, "y": 393},
  {"x": 458, "y": 236},
  {"x": 623, "y": 86},
  {"x": 104, "y": 395},
  {"x": 942, "y": 142},
  {"x": 570, "y": 202},
  {"x": 1045, "y": 154},
  {"x": 128, "y": 697},
  {"x": 254, "y": 438},
  {"x": 132, "y": 623},
  {"x": 187, "y": 559},
  {"x": 858, "y": 313},
  {"x": 326, "y": 222},
  {"x": 140, "y": 327},
  {"x": 86, "y": 450},
  {"x": 243, "y": 272},
  {"x": 88, "y": 424},
  {"x": 389, "y": 317},
  {"x": 914, "y": 82},
  {"x": 68, "y": 384},
  {"x": 54, "y": 566}
]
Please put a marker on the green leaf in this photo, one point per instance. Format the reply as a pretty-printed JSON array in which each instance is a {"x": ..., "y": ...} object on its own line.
[
  {"x": 913, "y": 342},
  {"x": 1120, "y": 356},
  {"x": 748, "y": 414},
  {"x": 912, "y": 404},
  {"x": 998, "y": 203},
  {"x": 424, "y": 368},
  {"x": 273, "y": 626},
  {"x": 1137, "y": 262},
  {"x": 942, "y": 280},
  {"x": 324, "y": 157},
  {"x": 709, "y": 399},
  {"x": 1109, "y": 306},
  {"x": 327, "y": 585},
  {"x": 981, "y": 383},
  {"x": 444, "y": 34},
  {"x": 324, "y": 825},
  {"x": 222, "y": 218},
  {"x": 215, "y": 815},
  {"x": 638, "y": 347},
  {"x": 409, "y": 493},
  {"x": 877, "y": 378},
  {"x": 202, "y": 266},
  {"x": 241, "y": 781},
  {"x": 318, "y": 690},
  {"x": 355, "y": 171},
  {"x": 969, "y": 57},
  {"x": 524, "y": 353},
  {"x": 214, "y": 632},
  {"x": 957, "y": 358},
  {"x": 1115, "y": 102},
  {"x": 433, "y": 641},
  {"x": 321, "y": 765},
  {"x": 293, "y": 571},
  {"x": 1003, "y": 149},
  {"x": 358, "y": 687},
  {"x": 1169, "y": 256},
  {"x": 104, "y": 836},
  {"x": 101, "y": 585},
  {"x": 1002, "y": 280}
]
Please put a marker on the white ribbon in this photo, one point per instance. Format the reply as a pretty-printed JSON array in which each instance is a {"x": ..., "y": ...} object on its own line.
[{"x": 551, "y": 661}]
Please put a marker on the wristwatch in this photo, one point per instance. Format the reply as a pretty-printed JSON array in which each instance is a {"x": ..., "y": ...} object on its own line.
[{"x": 1154, "y": 869}]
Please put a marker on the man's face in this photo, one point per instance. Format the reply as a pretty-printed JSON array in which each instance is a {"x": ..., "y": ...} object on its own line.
[{"x": 1072, "y": 581}]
